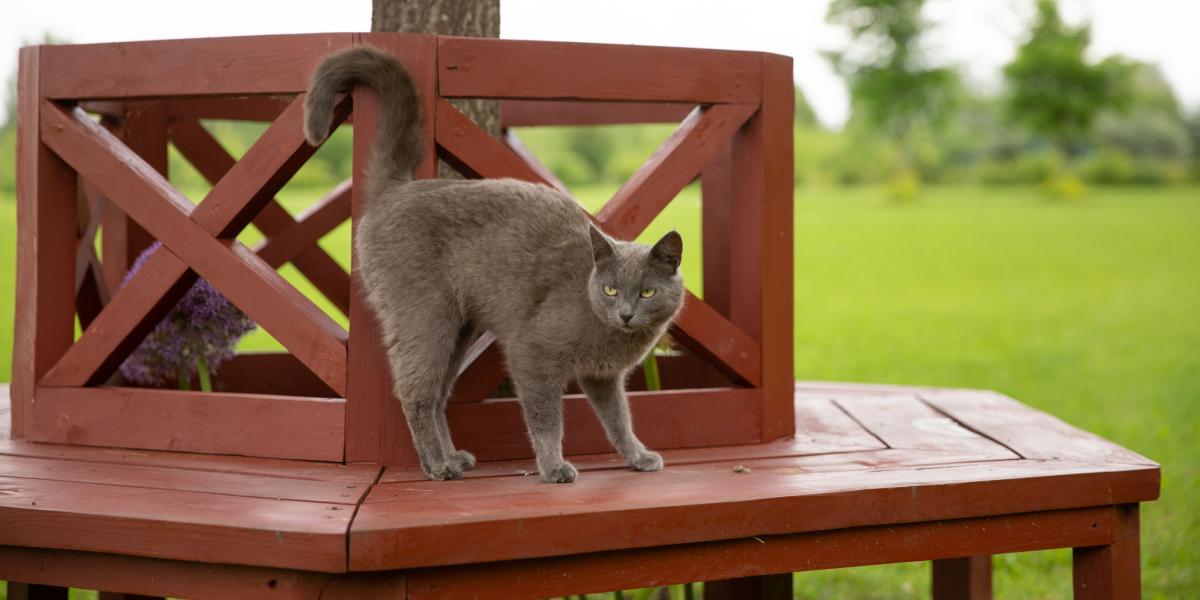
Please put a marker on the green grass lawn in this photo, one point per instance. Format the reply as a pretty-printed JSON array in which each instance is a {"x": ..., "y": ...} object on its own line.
[{"x": 1090, "y": 311}]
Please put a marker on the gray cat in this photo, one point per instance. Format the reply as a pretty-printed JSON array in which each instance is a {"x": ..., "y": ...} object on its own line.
[{"x": 442, "y": 260}]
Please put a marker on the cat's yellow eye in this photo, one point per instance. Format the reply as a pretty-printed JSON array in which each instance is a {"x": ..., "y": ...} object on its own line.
[
  {"x": 610, "y": 291},
  {"x": 648, "y": 293}
]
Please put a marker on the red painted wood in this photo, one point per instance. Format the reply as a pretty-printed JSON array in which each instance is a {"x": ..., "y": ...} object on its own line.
[
  {"x": 477, "y": 67},
  {"x": 598, "y": 572},
  {"x": 716, "y": 190},
  {"x": 124, "y": 596},
  {"x": 274, "y": 373},
  {"x": 272, "y": 64},
  {"x": 234, "y": 108},
  {"x": 375, "y": 426},
  {"x": 690, "y": 503},
  {"x": 91, "y": 289},
  {"x": 482, "y": 371},
  {"x": 534, "y": 113},
  {"x": 474, "y": 153},
  {"x": 1111, "y": 571},
  {"x": 495, "y": 429},
  {"x": 323, "y": 216},
  {"x": 968, "y": 578},
  {"x": 904, "y": 421},
  {"x": 705, "y": 332},
  {"x": 46, "y": 201},
  {"x": 241, "y": 276},
  {"x": 763, "y": 587},
  {"x": 246, "y": 424},
  {"x": 147, "y": 522},
  {"x": 25, "y": 591},
  {"x": 672, "y": 166},
  {"x": 142, "y": 126}
]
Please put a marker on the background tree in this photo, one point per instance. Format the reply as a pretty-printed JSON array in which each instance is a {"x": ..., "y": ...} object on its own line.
[
  {"x": 1053, "y": 89},
  {"x": 893, "y": 85}
]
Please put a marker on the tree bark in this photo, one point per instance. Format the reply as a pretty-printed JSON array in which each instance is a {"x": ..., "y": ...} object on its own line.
[{"x": 476, "y": 18}]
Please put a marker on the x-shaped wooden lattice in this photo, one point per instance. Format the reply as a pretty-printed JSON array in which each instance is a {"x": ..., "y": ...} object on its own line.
[{"x": 197, "y": 240}]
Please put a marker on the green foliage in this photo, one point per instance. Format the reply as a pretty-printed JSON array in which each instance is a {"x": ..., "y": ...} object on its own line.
[
  {"x": 893, "y": 85},
  {"x": 1053, "y": 89}
]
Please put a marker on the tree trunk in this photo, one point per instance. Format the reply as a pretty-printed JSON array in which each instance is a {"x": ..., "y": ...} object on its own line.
[{"x": 476, "y": 18}]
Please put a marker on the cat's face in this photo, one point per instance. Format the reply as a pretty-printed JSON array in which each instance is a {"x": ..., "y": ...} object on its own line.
[{"x": 633, "y": 286}]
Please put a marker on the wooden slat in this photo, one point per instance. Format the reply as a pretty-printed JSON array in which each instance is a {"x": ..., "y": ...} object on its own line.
[
  {"x": 489, "y": 68},
  {"x": 904, "y": 421},
  {"x": 495, "y": 429},
  {"x": 233, "y": 269},
  {"x": 148, "y": 522},
  {"x": 234, "y": 108},
  {"x": 705, "y": 332},
  {"x": 716, "y": 191},
  {"x": 142, "y": 126},
  {"x": 45, "y": 298},
  {"x": 482, "y": 371},
  {"x": 275, "y": 373},
  {"x": 159, "y": 478},
  {"x": 246, "y": 424},
  {"x": 323, "y": 216},
  {"x": 260, "y": 467},
  {"x": 692, "y": 503},
  {"x": 375, "y": 426},
  {"x": 474, "y": 153},
  {"x": 276, "y": 64},
  {"x": 649, "y": 567},
  {"x": 534, "y": 113},
  {"x": 1028, "y": 432},
  {"x": 672, "y": 166},
  {"x": 211, "y": 159}
]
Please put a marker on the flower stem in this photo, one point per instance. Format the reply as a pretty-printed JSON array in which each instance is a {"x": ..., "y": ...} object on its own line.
[
  {"x": 202, "y": 372},
  {"x": 185, "y": 379},
  {"x": 650, "y": 369}
]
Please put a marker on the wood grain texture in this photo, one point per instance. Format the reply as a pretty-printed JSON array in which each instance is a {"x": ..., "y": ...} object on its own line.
[
  {"x": 473, "y": 67},
  {"x": 245, "y": 424},
  {"x": 673, "y": 165},
  {"x": 964, "y": 578},
  {"x": 534, "y": 113},
  {"x": 232, "y": 268},
  {"x": 233, "y": 108},
  {"x": 1111, "y": 571},
  {"x": 691, "y": 503},
  {"x": 46, "y": 225},
  {"x": 707, "y": 333},
  {"x": 272, "y": 373},
  {"x": 275, "y": 64},
  {"x": 904, "y": 421},
  {"x": 762, "y": 555}
]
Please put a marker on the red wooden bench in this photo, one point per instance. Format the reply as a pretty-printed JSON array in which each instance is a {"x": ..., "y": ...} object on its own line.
[{"x": 296, "y": 478}]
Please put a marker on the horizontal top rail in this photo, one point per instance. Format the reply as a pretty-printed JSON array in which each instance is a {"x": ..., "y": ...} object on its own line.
[{"x": 467, "y": 67}]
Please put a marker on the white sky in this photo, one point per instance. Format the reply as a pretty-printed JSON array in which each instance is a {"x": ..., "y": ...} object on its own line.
[{"x": 977, "y": 35}]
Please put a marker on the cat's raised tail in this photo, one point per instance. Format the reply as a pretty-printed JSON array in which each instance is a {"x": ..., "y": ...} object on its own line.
[{"x": 397, "y": 147}]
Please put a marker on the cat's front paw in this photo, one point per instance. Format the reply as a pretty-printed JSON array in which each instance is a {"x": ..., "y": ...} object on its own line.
[
  {"x": 444, "y": 471},
  {"x": 563, "y": 473},
  {"x": 647, "y": 460},
  {"x": 463, "y": 459}
]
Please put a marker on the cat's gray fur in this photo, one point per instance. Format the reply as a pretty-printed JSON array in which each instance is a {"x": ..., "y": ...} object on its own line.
[{"x": 442, "y": 260}]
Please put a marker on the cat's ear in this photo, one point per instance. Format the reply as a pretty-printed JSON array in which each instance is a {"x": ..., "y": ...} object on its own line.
[
  {"x": 668, "y": 251},
  {"x": 602, "y": 249}
]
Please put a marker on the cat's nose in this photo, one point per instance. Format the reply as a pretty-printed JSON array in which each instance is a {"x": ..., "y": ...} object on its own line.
[{"x": 626, "y": 317}]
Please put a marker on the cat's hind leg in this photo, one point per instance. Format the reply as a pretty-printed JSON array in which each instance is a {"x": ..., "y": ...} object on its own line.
[{"x": 420, "y": 348}]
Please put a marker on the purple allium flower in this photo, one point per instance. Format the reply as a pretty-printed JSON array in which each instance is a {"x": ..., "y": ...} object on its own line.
[{"x": 202, "y": 325}]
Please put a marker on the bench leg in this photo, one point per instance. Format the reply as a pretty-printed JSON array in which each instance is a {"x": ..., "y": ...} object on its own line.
[
  {"x": 967, "y": 578},
  {"x": 762, "y": 587},
  {"x": 33, "y": 591},
  {"x": 1113, "y": 571}
]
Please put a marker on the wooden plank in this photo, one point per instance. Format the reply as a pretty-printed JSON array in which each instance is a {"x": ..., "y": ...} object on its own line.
[
  {"x": 44, "y": 324},
  {"x": 162, "y": 478},
  {"x": 246, "y": 424},
  {"x": 495, "y": 429},
  {"x": 1111, "y": 571},
  {"x": 598, "y": 572},
  {"x": 904, "y": 421},
  {"x": 259, "y": 467},
  {"x": 534, "y": 113},
  {"x": 323, "y": 216},
  {"x": 212, "y": 161},
  {"x": 705, "y": 332},
  {"x": 964, "y": 578},
  {"x": 233, "y": 269},
  {"x": 147, "y": 522},
  {"x": 692, "y": 503},
  {"x": 135, "y": 574},
  {"x": 1028, "y": 432},
  {"x": 375, "y": 426},
  {"x": 820, "y": 422},
  {"x": 275, "y": 373},
  {"x": 233, "y": 108},
  {"x": 490, "y": 68},
  {"x": 716, "y": 192},
  {"x": 264, "y": 64},
  {"x": 474, "y": 153},
  {"x": 482, "y": 371},
  {"x": 672, "y": 166},
  {"x": 142, "y": 126}
]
